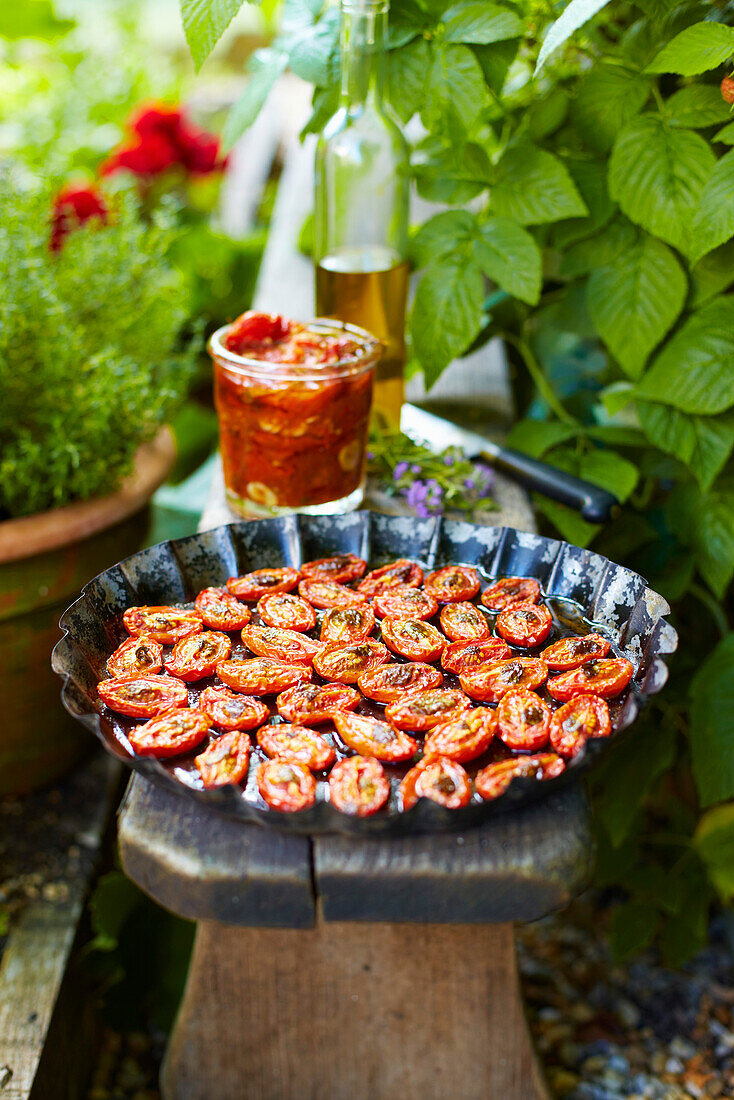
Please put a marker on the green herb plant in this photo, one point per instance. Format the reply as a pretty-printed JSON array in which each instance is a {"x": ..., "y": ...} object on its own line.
[{"x": 90, "y": 360}]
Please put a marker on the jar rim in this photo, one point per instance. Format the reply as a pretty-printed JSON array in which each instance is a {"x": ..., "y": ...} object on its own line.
[{"x": 269, "y": 368}]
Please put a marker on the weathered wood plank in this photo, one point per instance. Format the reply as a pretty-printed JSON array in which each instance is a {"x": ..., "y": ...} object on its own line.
[
  {"x": 204, "y": 866},
  {"x": 352, "y": 1012},
  {"x": 519, "y": 866}
]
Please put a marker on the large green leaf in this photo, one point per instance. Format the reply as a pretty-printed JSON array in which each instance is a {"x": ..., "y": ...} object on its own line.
[
  {"x": 712, "y": 725},
  {"x": 546, "y": 115},
  {"x": 535, "y": 437},
  {"x": 714, "y": 840},
  {"x": 532, "y": 186},
  {"x": 590, "y": 177},
  {"x": 508, "y": 254},
  {"x": 704, "y": 443},
  {"x": 456, "y": 90},
  {"x": 714, "y": 221},
  {"x": 407, "y": 78},
  {"x": 443, "y": 234},
  {"x": 204, "y": 23},
  {"x": 265, "y": 67},
  {"x": 695, "y": 50},
  {"x": 32, "y": 19},
  {"x": 480, "y": 22},
  {"x": 608, "y": 96},
  {"x": 626, "y": 775},
  {"x": 695, "y": 370},
  {"x": 697, "y": 106},
  {"x": 313, "y": 51},
  {"x": 726, "y": 134},
  {"x": 576, "y": 14},
  {"x": 634, "y": 301},
  {"x": 444, "y": 175},
  {"x": 712, "y": 274},
  {"x": 495, "y": 61},
  {"x": 633, "y": 927},
  {"x": 657, "y": 174},
  {"x": 447, "y": 313},
  {"x": 598, "y": 251},
  {"x": 705, "y": 523}
]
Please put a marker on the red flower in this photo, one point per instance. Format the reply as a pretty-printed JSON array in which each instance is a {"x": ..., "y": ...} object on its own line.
[
  {"x": 74, "y": 205},
  {"x": 163, "y": 137},
  {"x": 143, "y": 156},
  {"x": 155, "y": 118}
]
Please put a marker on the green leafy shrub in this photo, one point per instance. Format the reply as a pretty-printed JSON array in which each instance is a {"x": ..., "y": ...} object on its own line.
[{"x": 90, "y": 363}]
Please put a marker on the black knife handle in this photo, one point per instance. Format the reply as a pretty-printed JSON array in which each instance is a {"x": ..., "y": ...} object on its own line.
[{"x": 595, "y": 505}]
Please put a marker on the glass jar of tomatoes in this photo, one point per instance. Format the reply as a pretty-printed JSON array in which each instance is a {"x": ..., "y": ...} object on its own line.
[{"x": 293, "y": 402}]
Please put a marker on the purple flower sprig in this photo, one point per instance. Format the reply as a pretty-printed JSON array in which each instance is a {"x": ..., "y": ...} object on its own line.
[{"x": 429, "y": 483}]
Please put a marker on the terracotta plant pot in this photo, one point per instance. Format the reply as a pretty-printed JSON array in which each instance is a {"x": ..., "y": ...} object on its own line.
[{"x": 44, "y": 559}]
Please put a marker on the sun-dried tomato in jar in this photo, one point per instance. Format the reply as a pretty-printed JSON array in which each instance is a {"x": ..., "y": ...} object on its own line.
[{"x": 293, "y": 402}]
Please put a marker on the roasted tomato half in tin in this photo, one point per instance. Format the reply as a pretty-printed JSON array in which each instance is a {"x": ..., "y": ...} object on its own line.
[
  {"x": 523, "y": 720},
  {"x": 524, "y": 624},
  {"x": 358, "y": 786},
  {"x": 606, "y": 677},
  {"x": 346, "y": 663},
  {"x": 225, "y": 760},
  {"x": 489, "y": 683},
  {"x": 230, "y": 711},
  {"x": 463, "y": 622},
  {"x": 575, "y": 722},
  {"x": 286, "y": 612},
  {"x": 197, "y": 656},
  {"x": 370, "y": 737},
  {"x": 164, "y": 624},
  {"x": 403, "y": 602},
  {"x": 464, "y": 737},
  {"x": 494, "y": 780},
  {"x": 327, "y": 594},
  {"x": 509, "y": 590},
  {"x": 347, "y": 625},
  {"x": 397, "y": 572},
  {"x": 422, "y": 710},
  {"x": 283, "y": 645},
  {"x": 262, "y": 675},
  {"x": 136, "y": 657},
  {"x": 251, "y": 586},
  {"x": 438, "y": 778},
  {"x": 311, "y": 704},
  {"x": 143, "y": 696},
  {"x": 298, "y": 744},
  {"x": 170, "y": 734},
  {"x": 286, "y": 787},
  {"x": 391, "y": 682},
  {"x": 342, "y": 568},
  {"x": 413, "y": 638},
  {"x": 220, "y": 610},
  {"x": 572, "y": 652},
  {"x": 453, "y": 583},
  {"x": 461, "y": 657}
]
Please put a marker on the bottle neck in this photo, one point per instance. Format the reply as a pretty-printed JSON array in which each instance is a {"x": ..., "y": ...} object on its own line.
[{"x": 362, "y": 44}]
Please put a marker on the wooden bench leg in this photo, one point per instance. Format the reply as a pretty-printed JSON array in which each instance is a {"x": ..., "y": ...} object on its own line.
[{"x": 352, "y": 1011}]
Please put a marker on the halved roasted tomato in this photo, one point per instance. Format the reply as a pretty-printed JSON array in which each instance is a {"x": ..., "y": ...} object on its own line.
[
  {"x": 341, "y": 568},
  {"x": 403, "y": 602},
  {"x": 370, "y": 737},
  {"x": 358, "y": 786},
  {"x": 606, "y": 677},
  {"x": 494, "y": 780},
  {"x": 297, "y": 744},
  {"x": 523, "y": 720},
  {"x": 524, "y": 624},
  {"x": 572, "y": 652},
  {"x": 143, "y": 696},
  {"x": 438, "y": 778},
  {"x": 316, "y": 703},
  {"x": 286, "y": 787},
  {"x": 170, "y": 734},
  {"x": 413, "y": 638},
  {"x": 391, "y": 682},
  {"x": 509, "y": 590},
  {"x": 464, "y": 737},
  {"x": 346, "y": 663},
  {"x": 164, "y": 624},
  {"x": 489, "y": 683},
  {"x": 136, "y": 657},
  {"x": 251, "y": 586},
  {"x": 328, "y": 594},
  {"x": 347, "y": 625},
  {"x": 283, "y": 645},
  {"x": 220, "y": 610},
  {"x": 388, "y": 576},
  {"x": 461, "y": 657},
  {"x": 230, "y": 711},
  {"x": 463, "y": 622},
  {"x": 453, "y": 583},
  {"x": 422, "y": 710},
  {"x": 262, "y": 675},
  {"x": 286, "y": 611},
  {"x": 575, "y": 722},
  {"x": 225, "y": 760},
  {"x": 197, "y": 656}
]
